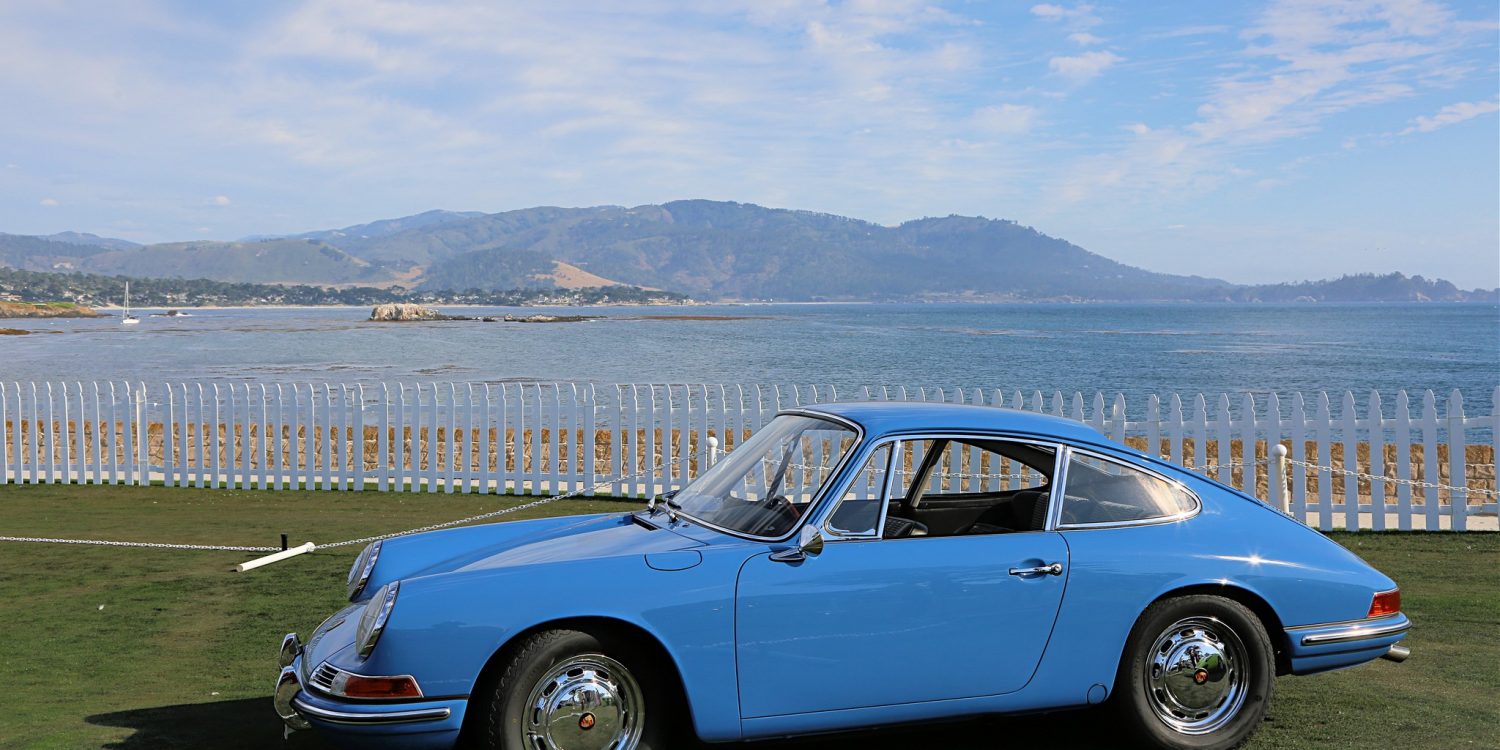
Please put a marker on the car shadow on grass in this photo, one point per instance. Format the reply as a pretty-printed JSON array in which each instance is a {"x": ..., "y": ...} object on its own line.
[
  {"x": 237, "y": 725},
  {"x": 248, "y": 724}
]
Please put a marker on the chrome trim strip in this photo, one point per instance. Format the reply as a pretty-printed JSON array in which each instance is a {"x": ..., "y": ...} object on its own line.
[
  {"x": 814, "y": 507},
  {"x": 392, "y": 717},
  {"x": 1055, "y": 490},
  {"x": 1357, "y": 621},
  {"x": 1358, "y": 632}
]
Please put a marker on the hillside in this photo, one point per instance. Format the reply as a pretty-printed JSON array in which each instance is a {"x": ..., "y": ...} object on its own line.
[
  {"x": 376, "y": 229},
  {"x": 1368, "y": 287},
  {"x": 707, "y": 249},
  {"x": 269, "y": 261}
]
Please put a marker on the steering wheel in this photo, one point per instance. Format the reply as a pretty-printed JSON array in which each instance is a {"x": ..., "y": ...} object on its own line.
[
  {"x": 783, "y": 507},
  {"x": 897, "y": 527}
]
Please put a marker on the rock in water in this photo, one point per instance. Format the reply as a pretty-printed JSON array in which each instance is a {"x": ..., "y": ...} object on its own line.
[{"x": 404, "y": 311}]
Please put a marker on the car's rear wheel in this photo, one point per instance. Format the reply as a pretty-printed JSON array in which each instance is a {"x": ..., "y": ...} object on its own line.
[
  {"x": 1197, "y": 674},
  {"x": 571, "y": 690}
]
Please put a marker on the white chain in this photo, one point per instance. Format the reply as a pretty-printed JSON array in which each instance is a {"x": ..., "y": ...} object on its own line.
[
  {"x": 664, "y": 461},
  {"x": 1393, "y": 480},
  {"x": 364, "y": 540},
  {"x": 149, "y": 545},
  {"x": 1204, "y": 469}
]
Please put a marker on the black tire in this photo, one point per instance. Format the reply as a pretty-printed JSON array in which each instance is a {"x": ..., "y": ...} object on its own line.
[
  {"x": 610, "y": 660},
  {"x": 1213, "y": 698}
]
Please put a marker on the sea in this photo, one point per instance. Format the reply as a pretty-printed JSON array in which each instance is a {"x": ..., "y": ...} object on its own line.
[{"x": 1133, "y": 349}]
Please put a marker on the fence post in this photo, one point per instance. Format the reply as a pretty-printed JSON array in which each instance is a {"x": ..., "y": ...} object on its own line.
[
  {"x": 1276, "y": 487},
  {"x": 713, "y": 450},
  {"x": 1458, "y": 494}
]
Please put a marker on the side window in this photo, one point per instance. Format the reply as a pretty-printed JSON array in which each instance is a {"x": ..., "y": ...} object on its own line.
[
  {"x": 909, "y": 465},
  {"x": 858, "y": 511},
  {"x": 1100, "y": 491},
  {"x": 983, "y": 467}
]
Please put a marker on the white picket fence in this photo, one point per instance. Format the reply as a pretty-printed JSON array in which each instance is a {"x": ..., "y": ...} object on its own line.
[{"x": 1407, "y": 465}]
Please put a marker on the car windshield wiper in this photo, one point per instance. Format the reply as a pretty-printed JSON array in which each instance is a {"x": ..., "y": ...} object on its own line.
[{"x": 666, "y": 499}]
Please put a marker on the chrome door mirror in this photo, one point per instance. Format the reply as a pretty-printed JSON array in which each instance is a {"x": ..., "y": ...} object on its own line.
[{"x": 809, "y": 544}]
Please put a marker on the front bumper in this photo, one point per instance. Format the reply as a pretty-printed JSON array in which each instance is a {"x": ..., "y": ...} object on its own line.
[{"x": 431, "y": 723}]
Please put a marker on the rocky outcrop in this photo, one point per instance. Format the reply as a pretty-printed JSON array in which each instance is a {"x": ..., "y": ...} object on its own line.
[
  {"x": 47, "y": 310},
  {"x": 539, "y": 318},
  {"x": 399, "y": 312}
]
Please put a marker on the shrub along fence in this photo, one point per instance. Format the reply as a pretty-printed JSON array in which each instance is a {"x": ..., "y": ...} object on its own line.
[{"x": 1411, "y": 464}]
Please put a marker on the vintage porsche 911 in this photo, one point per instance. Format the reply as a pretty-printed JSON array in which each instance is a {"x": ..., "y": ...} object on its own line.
[{"x": 848, "y": 566}]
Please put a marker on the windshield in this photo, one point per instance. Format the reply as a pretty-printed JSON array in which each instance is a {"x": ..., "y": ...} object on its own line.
[{"x": 765, "y": 486}]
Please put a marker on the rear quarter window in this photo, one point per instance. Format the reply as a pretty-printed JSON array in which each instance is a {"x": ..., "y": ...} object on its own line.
[{"x": 1101, "y": 491}]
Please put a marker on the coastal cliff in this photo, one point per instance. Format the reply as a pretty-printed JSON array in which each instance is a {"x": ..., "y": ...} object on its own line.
[{"x": 47, "y": 310}]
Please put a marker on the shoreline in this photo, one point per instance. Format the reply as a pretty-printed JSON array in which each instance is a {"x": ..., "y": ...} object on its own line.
[{"x": 822, "y": 303}]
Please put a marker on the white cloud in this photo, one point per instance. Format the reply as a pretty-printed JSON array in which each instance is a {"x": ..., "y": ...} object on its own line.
[
  {"x": 1084, "y": 67},
  {"x": 1304, "y": 62},
  {"x": 1450, "y": 115},
  {"x": 1085, "y": 39},
  {"x": 49, "y": 202},
  {"x": 219, "y": 200},
  {"x": 1081, "y": 15},
  {"x": 1006, "y": 119}
]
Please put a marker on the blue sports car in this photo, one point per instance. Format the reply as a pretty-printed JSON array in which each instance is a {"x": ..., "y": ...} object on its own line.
[{"x": 848, "y": 566}]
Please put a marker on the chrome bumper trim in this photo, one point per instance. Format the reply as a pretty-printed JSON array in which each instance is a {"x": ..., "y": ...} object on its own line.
[
  {"x": 284, "y": 698},
  {"x": 291, "y": 648},
  {"x": 391, "y": 717},
  {"x": 1356, "y": 631}
]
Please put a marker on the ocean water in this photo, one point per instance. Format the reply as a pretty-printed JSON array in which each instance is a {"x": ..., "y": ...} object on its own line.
[{"x": 1130, "y": 349}]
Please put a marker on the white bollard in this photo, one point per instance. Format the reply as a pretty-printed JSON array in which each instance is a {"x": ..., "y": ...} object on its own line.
[
  {"x": 274, "y": 557},
  {"x": 1279, "y": 497},
  {"x": 713, "y": 450}
]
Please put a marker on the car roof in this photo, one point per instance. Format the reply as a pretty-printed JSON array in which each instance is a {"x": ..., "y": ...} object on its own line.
[{"x": 880, "y": 418}]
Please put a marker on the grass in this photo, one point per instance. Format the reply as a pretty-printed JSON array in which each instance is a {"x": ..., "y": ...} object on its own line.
[{"x": 142, "y": 648}]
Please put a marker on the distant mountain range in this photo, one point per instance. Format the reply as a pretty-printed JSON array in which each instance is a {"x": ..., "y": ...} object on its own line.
[{"x": 708, "y": 249}]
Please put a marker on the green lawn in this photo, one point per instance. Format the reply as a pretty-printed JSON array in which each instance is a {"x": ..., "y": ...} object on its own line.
[{"x": 139, "y": 648}]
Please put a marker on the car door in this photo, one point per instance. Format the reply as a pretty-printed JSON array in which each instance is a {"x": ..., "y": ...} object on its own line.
[{"x": 873, "y": 621}]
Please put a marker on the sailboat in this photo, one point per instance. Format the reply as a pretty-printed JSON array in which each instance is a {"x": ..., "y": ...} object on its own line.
[{"x": 128, "y": 320}]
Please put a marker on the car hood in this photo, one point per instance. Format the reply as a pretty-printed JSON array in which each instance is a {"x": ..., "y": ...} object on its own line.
[{"x": 520, "y": 543}]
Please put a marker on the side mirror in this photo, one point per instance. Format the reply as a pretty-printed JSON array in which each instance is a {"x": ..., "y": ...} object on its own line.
[{"x": 809, "y": 544}]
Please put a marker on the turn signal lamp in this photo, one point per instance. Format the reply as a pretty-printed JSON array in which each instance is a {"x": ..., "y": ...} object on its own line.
[
  {"x": 358, "y": 686},
  {"x": 1386, "y": 603}
]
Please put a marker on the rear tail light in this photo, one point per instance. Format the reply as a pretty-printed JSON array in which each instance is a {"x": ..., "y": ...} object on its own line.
[{"x": 1386, "y": 603}]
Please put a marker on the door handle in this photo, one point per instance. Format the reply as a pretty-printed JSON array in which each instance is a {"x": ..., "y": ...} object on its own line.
[{"x": 1055, "y": 569}]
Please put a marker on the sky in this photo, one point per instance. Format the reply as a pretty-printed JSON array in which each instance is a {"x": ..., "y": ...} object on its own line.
[{"x": 1250, "y": 141}]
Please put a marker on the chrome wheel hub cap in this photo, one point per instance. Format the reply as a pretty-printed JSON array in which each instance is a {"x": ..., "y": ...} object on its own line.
[
  {"x": 587, "y": 702},
  {"x": 1195, "y": 681}
]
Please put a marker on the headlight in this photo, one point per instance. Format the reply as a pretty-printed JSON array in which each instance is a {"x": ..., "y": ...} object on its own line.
[
  {"x": 359, "y": 573},
  {"x": 372, "y": 620}
]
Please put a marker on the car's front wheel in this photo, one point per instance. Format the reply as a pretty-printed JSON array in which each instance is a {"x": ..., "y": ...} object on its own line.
[
  {"x": 1197, "y": 674},
  {"x": 571, "y": 690}
]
